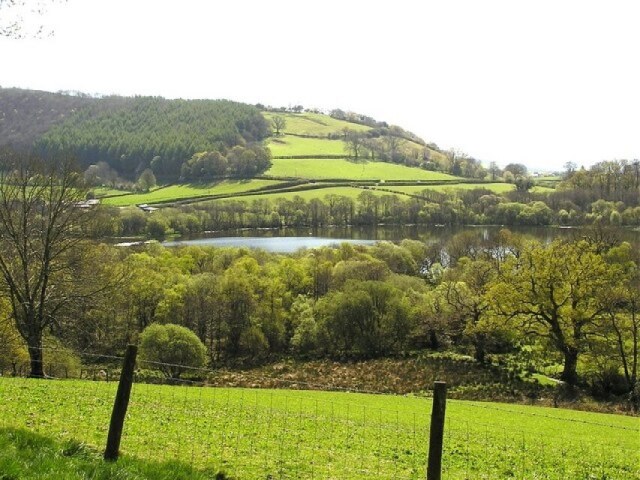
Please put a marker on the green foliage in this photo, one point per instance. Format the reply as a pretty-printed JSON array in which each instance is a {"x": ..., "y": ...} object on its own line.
[
  {"x": 146, "y": 180},
  {"x": 136, "y": 133},
  {"x": 13, "y": 351},
  {"x": 556, "y": 291},
  {"x": 171, "y": 349},
  {"x": 240, "y": 162},
  {"x": 365, "y": 319}
]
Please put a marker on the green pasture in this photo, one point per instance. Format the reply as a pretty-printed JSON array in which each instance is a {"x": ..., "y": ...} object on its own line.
[
  {"x": 321, "y": 193},
  {"x": 290, "y": 146},
  {"x": 345, "y": 169},
  {"x": 184, "y": 191},
  {"x": 108, "y": 192},
  {"x": 314, "y": 124},
  {"x": 542, "y": 189},
  {"x": 261, "y": 433},
  {"x": 497, "y": 188}
]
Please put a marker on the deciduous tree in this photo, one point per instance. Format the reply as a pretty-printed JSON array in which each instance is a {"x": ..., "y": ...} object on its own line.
[
  {"x": 555, "y": 292},
  {"x": 41, "y": 252}
]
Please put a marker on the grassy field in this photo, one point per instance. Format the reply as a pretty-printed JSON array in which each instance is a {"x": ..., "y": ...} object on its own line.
[
  {"x": 287, "y": 145},
  {"x": 253, "y": 433},
  {"x": 26, "y": 455},
  {"x": 321, "y": 193},
  {"x": 344, "y": 169},
  {"x": 314, "y": 124},
  {"x": 177, "y": 192},
  {"x": 498, "y": 188}
]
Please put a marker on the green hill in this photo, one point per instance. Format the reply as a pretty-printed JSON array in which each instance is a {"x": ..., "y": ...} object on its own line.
[{"x": 208, "y": 145}]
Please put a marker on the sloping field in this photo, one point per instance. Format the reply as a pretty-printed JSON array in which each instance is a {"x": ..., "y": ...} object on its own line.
[
  {"x": 262, "y": 433},
  {"x": 344, "y": 169},
  {"x": 497, "y": 188},
  {"x": 314, "y": 124},
  {"x": 321, "y": 192},
  {"x": 290, "y": 146},
  {"x": 416, "y": 189},
  {"x": 181, "y": 192}
]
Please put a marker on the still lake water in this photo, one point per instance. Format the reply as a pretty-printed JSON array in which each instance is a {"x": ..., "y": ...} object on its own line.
[
  {"x": 270, "y": 244},
  {"x": 291, "y": 240}
]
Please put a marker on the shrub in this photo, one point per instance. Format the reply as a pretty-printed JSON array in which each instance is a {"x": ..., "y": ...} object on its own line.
[{"x": 173, "y": 349}]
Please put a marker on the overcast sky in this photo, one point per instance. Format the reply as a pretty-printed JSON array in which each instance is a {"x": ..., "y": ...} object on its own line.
[{"x": 536, "y": 82}]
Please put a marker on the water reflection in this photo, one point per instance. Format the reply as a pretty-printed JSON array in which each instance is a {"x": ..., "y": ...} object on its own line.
[{"x": 286, "y": 240}]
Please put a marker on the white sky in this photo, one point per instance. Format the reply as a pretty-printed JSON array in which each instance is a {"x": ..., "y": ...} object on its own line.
[{"x": 538, "y": 82}]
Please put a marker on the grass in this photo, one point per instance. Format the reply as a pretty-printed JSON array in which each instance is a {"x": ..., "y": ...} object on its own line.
[
  {"x": 27, "y": 455},
  {"x": 106, "y": 191},
  {"x": 289, "y": 146},
  {"x": 497, "y": 188},
  {"x": 321, "y": 193},
  {"x": 344, "y": 169},
  {"x": 314, "y": 124},
  {"x": 184, "y": 191},
  {"x": 317, "y": 125},
  {"x": 254, "y": 433}
]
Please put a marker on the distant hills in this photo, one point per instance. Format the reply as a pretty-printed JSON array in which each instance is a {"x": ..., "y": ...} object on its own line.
[{"x": 208, "y": 140}]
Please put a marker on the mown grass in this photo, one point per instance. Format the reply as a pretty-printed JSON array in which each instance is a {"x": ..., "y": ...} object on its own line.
[
  {"x": 314, "y": 124},
  {"x": 290, "y": 146},
  {"x": 254, "y": 433},
  {"x": 184, "y": 191},
  {"x": 348, "y": 170}
]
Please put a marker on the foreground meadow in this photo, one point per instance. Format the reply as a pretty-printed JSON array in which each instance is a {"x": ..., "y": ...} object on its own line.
[{"x": 261, "y": 433}]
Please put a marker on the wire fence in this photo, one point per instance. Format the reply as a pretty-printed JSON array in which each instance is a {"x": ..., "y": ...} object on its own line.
[{"x": 329, "y": 433}]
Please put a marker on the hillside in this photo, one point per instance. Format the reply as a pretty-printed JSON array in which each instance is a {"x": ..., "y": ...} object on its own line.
[
  {"x": 26, "y": 115},
  {"x": 128, "y": 133},
  {"x": 195, "y": 148}
]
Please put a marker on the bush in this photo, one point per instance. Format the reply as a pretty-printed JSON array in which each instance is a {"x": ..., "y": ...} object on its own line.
[
  {"x": 60, "y": 361},
  {"x": 173, "y": 349}
]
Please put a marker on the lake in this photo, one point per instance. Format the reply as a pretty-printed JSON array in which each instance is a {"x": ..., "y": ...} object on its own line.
[
  {"x": 288, "y": 240},
  {"x": 270, "y": 244}
]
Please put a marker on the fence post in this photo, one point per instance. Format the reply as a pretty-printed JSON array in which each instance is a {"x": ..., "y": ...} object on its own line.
[
  {"x": 436, "y": 431},
  {"x": 120, "y": 404}
]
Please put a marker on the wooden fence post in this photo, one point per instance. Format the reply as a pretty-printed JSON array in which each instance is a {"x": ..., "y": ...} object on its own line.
[
  {"x": 120, "y": 404},
  {"x": 436, "y": 431}
]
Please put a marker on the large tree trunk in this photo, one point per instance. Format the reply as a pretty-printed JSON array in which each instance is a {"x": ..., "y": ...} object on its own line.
[
  {"x": 570, "y": 371},
  {"x": 479, "y": 346},
  {"x": 35, "y": 358}
]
